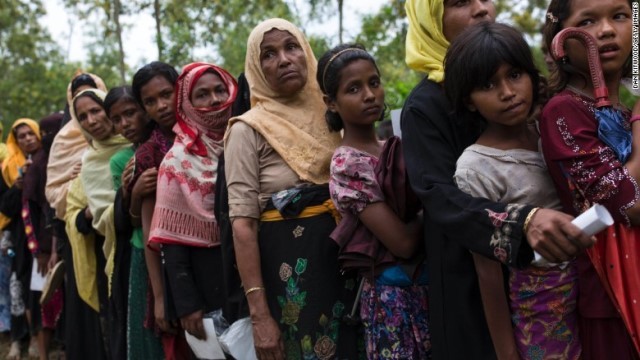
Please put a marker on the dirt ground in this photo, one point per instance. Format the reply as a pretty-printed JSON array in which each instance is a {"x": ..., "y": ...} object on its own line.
[{"x": 56, "y": 352}]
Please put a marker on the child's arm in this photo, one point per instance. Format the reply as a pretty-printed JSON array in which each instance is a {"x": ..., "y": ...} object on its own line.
[
  {"x": 400, "y": 238},
  {"x": 496, "y": 309}
]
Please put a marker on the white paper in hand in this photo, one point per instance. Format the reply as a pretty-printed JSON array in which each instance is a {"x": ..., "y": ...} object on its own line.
[{"x": 206, "y": 349}]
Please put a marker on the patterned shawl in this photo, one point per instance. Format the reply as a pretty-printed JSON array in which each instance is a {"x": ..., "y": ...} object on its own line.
[
  {"x": 295, "y": 126},
  {"x": 187, "y": 176},
  {"x": 66, "y": 151}
]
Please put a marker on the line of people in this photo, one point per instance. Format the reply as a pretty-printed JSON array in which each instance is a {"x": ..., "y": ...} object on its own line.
[{"x": 195, "y": 195}]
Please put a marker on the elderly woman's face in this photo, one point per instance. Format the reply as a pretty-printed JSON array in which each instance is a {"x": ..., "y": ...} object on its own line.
[
  {"x": 283, "y": 62},
  {"x": 459, "y": 15},
  {"x": 92, "y": 118}
]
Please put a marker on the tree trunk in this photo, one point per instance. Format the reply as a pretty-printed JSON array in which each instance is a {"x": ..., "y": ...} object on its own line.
[
  {"x": 156, "y": 15},
  {"x": 116, "y": 20},
  {"x": 340, "y": 13}
]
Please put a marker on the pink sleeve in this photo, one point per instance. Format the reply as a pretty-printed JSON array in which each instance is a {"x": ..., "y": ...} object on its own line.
[{"x": 353, "y": 183}]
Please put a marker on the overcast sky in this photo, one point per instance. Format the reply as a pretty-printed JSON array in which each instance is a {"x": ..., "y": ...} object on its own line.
[{"x": 139, "y": 31}]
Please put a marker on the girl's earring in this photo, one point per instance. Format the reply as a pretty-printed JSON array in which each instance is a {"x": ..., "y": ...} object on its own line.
[
  {"x": 472, "y": 108},
  {"x": 384, "y": 112}
]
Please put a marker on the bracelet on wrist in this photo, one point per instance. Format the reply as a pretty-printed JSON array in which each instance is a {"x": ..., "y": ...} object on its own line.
[
  {"x": 527, "y": 220},
  {"x": 133, "y": 216},
  {"x": 634, "y": 118},
  {"x": 250, "y": 290}
]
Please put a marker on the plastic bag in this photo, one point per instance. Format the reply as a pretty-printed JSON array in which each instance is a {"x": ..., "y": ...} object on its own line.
[
  {"x": 219, "y": 321},
  {"x": 237, "y": 340}
]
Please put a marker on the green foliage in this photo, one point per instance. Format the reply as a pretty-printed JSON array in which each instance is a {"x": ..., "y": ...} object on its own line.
[
  {"x": 387, "y": 47},
  {"x": 34, "y": 78}
]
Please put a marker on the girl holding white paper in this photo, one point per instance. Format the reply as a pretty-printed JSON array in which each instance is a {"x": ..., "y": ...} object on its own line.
[{"x": 501, "y": 88}]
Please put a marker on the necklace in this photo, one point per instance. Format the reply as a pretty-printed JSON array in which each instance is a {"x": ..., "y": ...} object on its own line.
[{"x": 574, "y": 89}]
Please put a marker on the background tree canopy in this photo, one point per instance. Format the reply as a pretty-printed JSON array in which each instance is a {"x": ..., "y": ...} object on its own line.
[{"x": 36, "y": 74}]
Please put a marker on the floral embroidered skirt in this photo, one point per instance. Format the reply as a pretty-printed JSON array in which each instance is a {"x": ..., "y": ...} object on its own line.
[
  {"x": 544, "y": 312},
  {"x": 396, "y": 321},
  {"x": 306, "y": 293}
]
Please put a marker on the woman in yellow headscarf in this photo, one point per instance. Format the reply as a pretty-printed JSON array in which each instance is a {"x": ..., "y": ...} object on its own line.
[
  {"x": 22, "y": 142},
  {"x": 455, "y": 222}
]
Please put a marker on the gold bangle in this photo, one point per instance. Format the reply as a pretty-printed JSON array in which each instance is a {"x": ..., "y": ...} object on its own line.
[
  {"x": 250, "y": 290},
  {"x": 528, "y": 219},
  {"x": 133, "y": 216}
]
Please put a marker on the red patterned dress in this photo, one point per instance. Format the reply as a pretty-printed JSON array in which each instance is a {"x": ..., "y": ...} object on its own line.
[{"x": 585, "y": 171}]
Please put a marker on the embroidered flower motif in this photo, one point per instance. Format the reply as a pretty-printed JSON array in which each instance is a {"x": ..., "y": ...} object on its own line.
[
  {"x": 535, "y": 352},
  {"x": 325, "y": 348},
  {"x": 208, "y": 174},
  {"x": 496, "y": 218},
  {"x": 307, "y": 347},
  {"x": 186, "y": 164},
  {"x": 500, "y": 254},
  {"x": 285, "y": 271},
  {"x": 207, "y": 161},
  {"x": 297, "y": 232},
  {"x": 290, "y": 313},
  {"x": 301, "y": 266}
]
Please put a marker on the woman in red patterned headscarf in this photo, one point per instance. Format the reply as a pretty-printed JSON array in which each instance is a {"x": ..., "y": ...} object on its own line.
[{"x": 183, "y": 220}]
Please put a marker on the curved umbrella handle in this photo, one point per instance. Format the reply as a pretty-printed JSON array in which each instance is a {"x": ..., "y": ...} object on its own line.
[{"x": 593, "y": 56}]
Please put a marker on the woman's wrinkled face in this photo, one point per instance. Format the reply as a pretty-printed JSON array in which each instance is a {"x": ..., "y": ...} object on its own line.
[
  {"x": 460, "y": 14},
  {"x": 27, "y": 140},
  {"x": 93, "y": 118},
  {"x": 283, "y": 62},
  {"x": 209, "y": 91},
  {"x": 129, "y": 119}
]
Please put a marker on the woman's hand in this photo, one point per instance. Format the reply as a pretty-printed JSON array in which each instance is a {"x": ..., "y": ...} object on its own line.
[
  {"x": 146, "y": 184},
  {"x": 267, "y": 338},
  {"x": 87, "y": 213},
  {"x": 42, "y": 260},
  {"x": 193, "y": 324},
  {"x": 158, "y": 312},
  {"x": 127, "y": 175},
  {"x": 551, "y": 234},
  {"x": 76, "y": 170}
]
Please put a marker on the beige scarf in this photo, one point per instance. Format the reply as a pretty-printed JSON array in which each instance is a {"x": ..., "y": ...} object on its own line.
[
  {"x": 295, "y": 127},
  {"x": 66, "y": 151}
]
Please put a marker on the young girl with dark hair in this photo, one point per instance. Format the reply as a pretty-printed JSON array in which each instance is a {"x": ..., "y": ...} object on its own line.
[
  {"x": 130, "y": 336},
  {"x": 381, "y": 228},
  {"x": 586, "y": 170},
  {"x": 433, "y": 139},
  {"x": 490, "y": 76}
]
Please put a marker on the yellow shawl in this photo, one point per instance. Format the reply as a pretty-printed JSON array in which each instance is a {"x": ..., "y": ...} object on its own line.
[
  {"x": 426, "y": 45},
  {"x": 82, "y": 246},
  {"x": 98, "y": 194},
  {"x": 15, "y": 159},
  {"x": 66, "y": 151},
  {"x": 295, "y": 127},
  {"x": 98, "y": 185}
]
